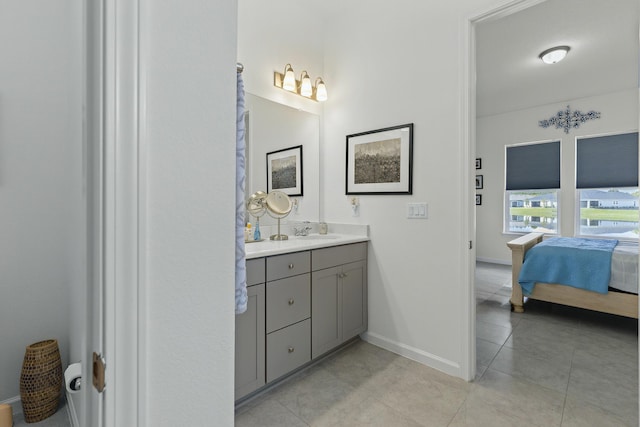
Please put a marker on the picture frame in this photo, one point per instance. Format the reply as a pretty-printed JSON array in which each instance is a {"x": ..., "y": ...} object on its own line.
[
  {"x": 284, "y": 171},
  {"x": 479, "y": 182},
  {"x": 478, "y": 163},
  {"x": 380, "y": 161},
  {"x": 478, "y": 199}
]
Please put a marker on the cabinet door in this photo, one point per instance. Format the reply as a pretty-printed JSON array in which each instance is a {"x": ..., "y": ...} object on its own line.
[
  {"x": 326, "y": 319},
  {"x": 250, "y": 344},
  {"x": 354, "y": 299}
]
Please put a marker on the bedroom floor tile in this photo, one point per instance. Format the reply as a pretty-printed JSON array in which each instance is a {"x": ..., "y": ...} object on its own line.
[
  {"x": 550, "y": 373},
  {"x": 550, "y": 366}
]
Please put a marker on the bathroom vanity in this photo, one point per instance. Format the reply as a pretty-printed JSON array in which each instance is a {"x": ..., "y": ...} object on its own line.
[{"x": 307, "y": 296}]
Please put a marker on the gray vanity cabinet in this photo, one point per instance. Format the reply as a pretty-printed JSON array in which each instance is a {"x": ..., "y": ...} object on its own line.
[
  {"x": 301, "y": 305},
  {"x": 250, "y": 333},
  {"x": 338, "y": 295}
]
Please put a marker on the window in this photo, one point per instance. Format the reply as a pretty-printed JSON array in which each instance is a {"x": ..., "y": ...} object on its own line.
[
  {"x": 607, "y": 186},
  {"x": 532, "y": 185}
]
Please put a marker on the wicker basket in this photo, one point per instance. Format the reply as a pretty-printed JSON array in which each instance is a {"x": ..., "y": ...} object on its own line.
[{"x": 41, "y": 380}]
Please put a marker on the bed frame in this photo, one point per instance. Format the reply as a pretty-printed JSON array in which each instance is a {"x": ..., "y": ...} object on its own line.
[{"x": 620, "y": 303}]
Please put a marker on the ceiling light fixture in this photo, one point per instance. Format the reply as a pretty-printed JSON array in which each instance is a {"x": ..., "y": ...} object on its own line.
[
  {"x": 554, "y": 54},
  {"x": 302, "y": 87}
]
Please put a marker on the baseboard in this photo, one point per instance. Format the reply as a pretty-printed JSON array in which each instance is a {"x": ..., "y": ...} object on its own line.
[
  {"x": 11, "y": 401},
  {"x": 15, "y": 403},
  {"x": 71, "y": 410},
  {"x": 16, "y": 408},
  {"x": 493, "y": 261},
  {"x": 420, "y": 356}
]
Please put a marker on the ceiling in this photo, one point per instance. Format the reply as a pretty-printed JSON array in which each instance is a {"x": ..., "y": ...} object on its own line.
[{"x": 602, "y": 34}]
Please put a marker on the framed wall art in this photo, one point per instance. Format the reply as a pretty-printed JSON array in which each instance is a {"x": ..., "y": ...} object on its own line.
[
  {"x": 478, "y": 163},
  {"x": 478, "y": 199},
  {"x": 380, "y": 161},
  {"x": 479, "y": 182},
  {"x": 284, "y": 171}
]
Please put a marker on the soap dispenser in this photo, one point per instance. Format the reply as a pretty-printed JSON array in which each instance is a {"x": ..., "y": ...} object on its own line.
[{"x": 256, "y": 233}]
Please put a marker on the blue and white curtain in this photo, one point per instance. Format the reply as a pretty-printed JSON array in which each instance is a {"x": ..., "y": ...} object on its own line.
[{"x": 241, "y": 269}]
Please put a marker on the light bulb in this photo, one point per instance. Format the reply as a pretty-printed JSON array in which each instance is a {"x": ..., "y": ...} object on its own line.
[
  {"x": 289, "y": 81},
  {"x": 305, "y": 85},
  {"x": 321, "y": 90}
]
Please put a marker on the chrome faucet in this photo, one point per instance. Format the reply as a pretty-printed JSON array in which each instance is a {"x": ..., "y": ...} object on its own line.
[{"x": 302, "y": 231}]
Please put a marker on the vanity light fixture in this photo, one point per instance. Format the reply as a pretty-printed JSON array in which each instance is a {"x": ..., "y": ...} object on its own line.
[
  {"x": 321, "y": 90},
  {"x": 303, "y": 87},
  {"x": 554, "y": 54},
  {"x": 289, "y": 79}
]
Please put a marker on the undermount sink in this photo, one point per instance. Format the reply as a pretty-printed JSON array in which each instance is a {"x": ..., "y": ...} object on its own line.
[{"x": 318, "y": 237}]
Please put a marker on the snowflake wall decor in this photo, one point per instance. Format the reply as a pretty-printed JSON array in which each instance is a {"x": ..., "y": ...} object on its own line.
[{"x": 567, "y": 119}]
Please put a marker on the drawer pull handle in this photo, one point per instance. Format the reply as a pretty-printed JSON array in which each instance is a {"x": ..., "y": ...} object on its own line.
[
  {"x": 342, "y": 275},
  {"x": 291, "y": 349},
  {"x": 290, "y": 266},
  {"x": 291, "y": 301}
]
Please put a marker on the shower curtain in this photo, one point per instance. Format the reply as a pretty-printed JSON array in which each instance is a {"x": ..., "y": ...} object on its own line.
[{"x": 241, "y": 270}]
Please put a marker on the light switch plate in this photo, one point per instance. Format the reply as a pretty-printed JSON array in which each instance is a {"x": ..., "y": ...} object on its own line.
[{"x": 417, "y": 211}]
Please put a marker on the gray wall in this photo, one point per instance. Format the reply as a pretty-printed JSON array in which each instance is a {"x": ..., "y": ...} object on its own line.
[{"x": 41, "y": 208}]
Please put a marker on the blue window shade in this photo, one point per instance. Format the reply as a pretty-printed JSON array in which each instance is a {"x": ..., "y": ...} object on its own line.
[
  {"x": 533, "y": 166},
  {"x": 607, "y": 161}
]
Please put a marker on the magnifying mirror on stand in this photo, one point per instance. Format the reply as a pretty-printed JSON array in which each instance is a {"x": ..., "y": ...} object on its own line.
[{"x": 278, "y": 206}]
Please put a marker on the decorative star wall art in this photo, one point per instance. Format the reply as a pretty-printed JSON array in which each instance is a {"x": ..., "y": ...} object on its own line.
[{"x": 567, "y": 119}]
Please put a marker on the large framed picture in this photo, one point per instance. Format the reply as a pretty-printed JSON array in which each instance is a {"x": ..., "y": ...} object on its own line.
[
  {"x": 380, "y": 161},
  {"x": 284, "y": 171}
]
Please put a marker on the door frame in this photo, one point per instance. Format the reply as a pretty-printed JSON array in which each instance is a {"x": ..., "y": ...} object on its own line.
[
  {"x": 468, "y": 150},
  {"x": 115, "y": 202}
]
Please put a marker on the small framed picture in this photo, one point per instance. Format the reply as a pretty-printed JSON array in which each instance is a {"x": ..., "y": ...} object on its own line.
[
  {"x": 284, "y": 171},
  {"x": 478, "y": 163},
  {"x": 479, "y": 182},
  {"x": 478, "y": 199}
]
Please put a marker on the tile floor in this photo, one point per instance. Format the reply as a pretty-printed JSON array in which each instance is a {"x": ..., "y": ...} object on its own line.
[
  {"x": 550, "y": 366},
  {"x": 59, "y": 419}
]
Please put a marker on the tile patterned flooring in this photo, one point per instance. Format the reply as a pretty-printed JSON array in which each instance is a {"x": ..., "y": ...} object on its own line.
[{"x": 550, "y": 366}]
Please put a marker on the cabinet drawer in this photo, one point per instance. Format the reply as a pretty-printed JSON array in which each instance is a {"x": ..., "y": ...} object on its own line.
[
  {"x": 338, "y": 255},
  {"x": 287, "y": 265},
  {"x": 288, "y": 301},
  {"x": 288, "y": 349},
  {"x": 255, "y": 271}
]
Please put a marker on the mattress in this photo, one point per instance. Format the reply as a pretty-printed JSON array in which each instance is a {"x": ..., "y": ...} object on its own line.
[{"x": 624, "y": 267}]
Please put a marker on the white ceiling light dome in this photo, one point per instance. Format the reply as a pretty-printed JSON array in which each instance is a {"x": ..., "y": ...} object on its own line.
[{"x": 554, "y": 54}]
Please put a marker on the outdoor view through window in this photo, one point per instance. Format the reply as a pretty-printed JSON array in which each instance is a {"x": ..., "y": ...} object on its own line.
[
  {"x": 604, "y": 212},
  {"x": 609, "y": 212},
  {"x": 533, "y": 210}
]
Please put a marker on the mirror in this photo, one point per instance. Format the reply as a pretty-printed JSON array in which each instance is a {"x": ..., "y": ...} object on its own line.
[{"x": 273, "y": 127}]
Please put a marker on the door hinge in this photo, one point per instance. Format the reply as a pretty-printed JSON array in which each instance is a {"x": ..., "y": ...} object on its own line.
[
  {"x": 99, "y": 365},
  {"x": 470, "y": 244}
]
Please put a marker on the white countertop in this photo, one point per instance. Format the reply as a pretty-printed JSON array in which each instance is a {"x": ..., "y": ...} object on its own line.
[{"x": 300, "y": 243}]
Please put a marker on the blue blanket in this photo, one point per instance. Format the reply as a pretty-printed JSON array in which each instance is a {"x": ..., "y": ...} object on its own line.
[{"x": 578, "y": 262}]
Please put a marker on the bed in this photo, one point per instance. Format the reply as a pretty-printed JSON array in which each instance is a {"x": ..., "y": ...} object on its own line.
[{"x": 615, "y": 301}]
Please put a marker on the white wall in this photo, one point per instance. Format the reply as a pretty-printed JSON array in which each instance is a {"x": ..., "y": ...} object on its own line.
[
  {"x": 392, "y": 63},
  {"x": 41, "y": 200},
  {"x": 388, "y": 63},
  {"x": 619, "y": 114},
  {"x": 271, "y": 35},
  {"x": 189, "y": 56}
]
